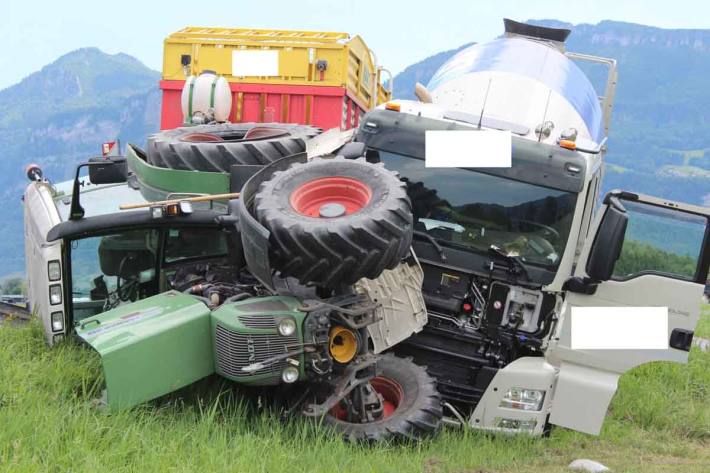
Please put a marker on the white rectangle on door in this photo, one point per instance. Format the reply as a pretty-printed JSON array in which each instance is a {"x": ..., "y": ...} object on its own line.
[
  {"x": 250, "y": 62},
  {"x": 619, "y": 328},
  {"x": 467, "y": 149}
]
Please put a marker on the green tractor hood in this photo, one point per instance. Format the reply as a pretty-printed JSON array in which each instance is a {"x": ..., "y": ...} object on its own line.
[{"x": 151, "y": 347}]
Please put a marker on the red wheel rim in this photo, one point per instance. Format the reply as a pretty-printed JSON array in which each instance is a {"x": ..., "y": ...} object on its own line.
[
  {"x": 392, "y": 396},
  {"x": 201, "y": 138},
  {"x": 328, "y": 197},
  {"x": 263, "y": 133}
]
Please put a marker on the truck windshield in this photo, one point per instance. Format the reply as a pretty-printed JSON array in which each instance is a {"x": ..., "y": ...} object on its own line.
[{"x": 471, "y": 210}]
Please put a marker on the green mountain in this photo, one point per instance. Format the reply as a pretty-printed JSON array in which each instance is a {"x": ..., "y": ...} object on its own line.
[
  {"x": 659, "y": 139},
  {"x": 59, "y": 116},
  {"x": 86, "y": 78}
]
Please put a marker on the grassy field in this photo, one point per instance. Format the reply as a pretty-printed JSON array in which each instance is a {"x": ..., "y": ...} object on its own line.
[{"x": 659, "y": 422}]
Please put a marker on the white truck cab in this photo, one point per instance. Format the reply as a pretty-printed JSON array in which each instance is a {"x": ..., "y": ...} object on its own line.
[
  {"x": 509, "y": 255},
  {"x": 512, "y": 256}
]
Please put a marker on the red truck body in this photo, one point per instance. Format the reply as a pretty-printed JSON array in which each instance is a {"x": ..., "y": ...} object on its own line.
[{"x": 322, "y": 106}]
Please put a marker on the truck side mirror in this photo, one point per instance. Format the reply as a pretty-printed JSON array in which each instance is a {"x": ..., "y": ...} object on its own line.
[
  {"x": 108, "y": 171},
  {"x": 608, "y": 242},
  {"x": 101, "y": 171}
]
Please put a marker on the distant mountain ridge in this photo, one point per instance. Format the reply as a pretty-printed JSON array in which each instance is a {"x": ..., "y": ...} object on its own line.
[{"x": 632, "y": 34}]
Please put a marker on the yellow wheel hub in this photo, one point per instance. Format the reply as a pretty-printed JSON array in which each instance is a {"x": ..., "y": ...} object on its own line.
[{"x": 342, "y": 344}]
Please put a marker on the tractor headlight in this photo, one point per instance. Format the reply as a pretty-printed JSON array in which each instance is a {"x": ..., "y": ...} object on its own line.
[
  {"x": 54, "y": 270},
  {"x": 287, "y": 327},
  {"x": 289, "y": 374},
  {"x": 57, "y": 321},
  {"x": 55, "y": 294},
  {"x": 523, "y": 399}
]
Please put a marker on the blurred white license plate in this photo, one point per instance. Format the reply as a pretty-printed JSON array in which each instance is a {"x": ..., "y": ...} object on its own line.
[{"x": 467, "y": 149}]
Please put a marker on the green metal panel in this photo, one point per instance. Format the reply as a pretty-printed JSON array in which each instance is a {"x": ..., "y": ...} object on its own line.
[
  {"x": 151, "y": 347},
  {"x": 163, "y": 181},
  {"x": 245, "y": 332}
]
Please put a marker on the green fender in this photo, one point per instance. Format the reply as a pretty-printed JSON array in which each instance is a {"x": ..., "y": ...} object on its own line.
[
  {"x": 151, "y": 347},
  {"x": 157, "y": 183}
]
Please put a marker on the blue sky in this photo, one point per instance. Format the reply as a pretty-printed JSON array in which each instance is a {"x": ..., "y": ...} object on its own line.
[{"x": 401, "y": 32}]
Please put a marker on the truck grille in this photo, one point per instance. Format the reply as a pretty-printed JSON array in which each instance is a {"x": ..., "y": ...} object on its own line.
[
  {"x": 236, "y": 350},
  {"x": 258, "y": 321}
]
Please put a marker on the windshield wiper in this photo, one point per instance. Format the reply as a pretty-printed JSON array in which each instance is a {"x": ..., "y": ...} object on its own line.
[
  {"x": 515, "y": 266},
  {"x": 434, "y": 243}
]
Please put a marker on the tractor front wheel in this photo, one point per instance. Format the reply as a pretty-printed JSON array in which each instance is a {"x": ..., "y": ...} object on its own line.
[{"x": 400, "y": 404}]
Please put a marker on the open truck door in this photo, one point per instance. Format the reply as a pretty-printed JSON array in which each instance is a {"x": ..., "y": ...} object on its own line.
[{"x": 643, "y": 253}]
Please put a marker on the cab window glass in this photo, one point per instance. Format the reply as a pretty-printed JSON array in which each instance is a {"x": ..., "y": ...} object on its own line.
[
  {"x": 660, "y": 240},
  {"x": 523, "y": 219},
  {"x": 185, "y": 243},
  {"x": 109, "y": 270}
]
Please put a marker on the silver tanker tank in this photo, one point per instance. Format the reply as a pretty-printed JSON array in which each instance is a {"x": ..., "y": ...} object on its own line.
[{"x": 523, "y": 78}]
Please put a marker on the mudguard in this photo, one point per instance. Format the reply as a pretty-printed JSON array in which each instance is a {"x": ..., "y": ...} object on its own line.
[
  {"x": 255, "y": 238},
  {"x": 151, "y": 347}
]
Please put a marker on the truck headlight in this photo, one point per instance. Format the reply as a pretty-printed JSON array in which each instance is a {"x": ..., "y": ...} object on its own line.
[
  {"x": 57, "y": 321},
  {"x": 54, "y": 270},
  {"x": 289, "y": 374},
  {"x": 523, "y": 399},
  {"x": 287, "y": 327},
  {"x": 55, "y": 294},
  {"x": 520, "y": 425}
]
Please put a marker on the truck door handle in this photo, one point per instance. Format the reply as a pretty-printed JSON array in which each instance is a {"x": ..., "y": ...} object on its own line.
[{"x": 681, "y": 339}]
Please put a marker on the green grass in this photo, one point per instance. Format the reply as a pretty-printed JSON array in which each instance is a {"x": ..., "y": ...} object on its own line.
[{"x": 659, "y": 421}]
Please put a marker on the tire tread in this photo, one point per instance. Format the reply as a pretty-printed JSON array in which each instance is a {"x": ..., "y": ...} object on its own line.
[{"x": 165, "y": 149}]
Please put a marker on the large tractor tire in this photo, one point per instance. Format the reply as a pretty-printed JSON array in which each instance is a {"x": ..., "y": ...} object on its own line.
[
  {"x": 215, "y": 148},
  {"x": 412, "y": 406},
  {"x": 335, "y": 221}
]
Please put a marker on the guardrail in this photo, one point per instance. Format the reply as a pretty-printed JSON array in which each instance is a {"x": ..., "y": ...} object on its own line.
[{"x": 13, "y": 311}]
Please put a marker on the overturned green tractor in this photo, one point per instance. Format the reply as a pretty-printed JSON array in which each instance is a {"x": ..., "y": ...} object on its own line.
[{"x": 313, "y": 282}]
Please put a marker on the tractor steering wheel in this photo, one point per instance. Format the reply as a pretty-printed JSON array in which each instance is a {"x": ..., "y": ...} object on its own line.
[{"x": 125, "y": 291}]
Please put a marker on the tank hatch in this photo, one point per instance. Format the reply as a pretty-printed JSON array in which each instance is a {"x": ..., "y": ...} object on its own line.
[{"x": 556, "y": 35}]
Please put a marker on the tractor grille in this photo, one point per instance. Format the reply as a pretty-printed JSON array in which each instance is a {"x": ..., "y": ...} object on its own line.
[
  {"x": 258, "y": 321},
  {"x": 236, "y": 350}
]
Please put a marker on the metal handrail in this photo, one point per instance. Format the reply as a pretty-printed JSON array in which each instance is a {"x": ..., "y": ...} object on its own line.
[{"x": 607, "y": 100}]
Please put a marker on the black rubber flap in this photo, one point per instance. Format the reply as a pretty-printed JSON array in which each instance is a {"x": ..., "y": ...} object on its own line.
[{"x": 255, "y": 238}]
